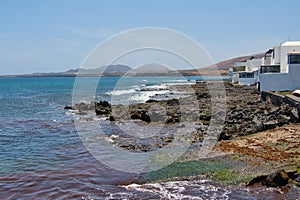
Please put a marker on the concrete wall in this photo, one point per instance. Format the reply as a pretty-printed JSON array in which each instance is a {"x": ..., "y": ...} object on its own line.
[
  {"x": 278, "y": 100},
  {"x": 281, "y": 81},
  {"x": 272, "y": 98}
]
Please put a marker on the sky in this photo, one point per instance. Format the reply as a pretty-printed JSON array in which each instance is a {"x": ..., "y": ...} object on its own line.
[{"x": 57, "y": 35}]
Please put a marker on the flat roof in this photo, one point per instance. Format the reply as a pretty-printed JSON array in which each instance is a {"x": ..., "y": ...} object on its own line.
[
  {"x": 291, "y": 43},
  {"x": 293, "y": 53}
]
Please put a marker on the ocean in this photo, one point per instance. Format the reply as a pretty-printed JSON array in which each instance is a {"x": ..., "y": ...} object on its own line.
[{"x": 42, "y": 156}]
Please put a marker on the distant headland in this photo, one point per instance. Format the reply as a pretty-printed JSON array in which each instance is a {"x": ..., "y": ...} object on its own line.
[{"x": 220, "y": 68}]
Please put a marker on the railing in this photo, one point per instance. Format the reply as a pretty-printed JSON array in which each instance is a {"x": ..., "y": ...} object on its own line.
[{"x": 269, "y": 69}]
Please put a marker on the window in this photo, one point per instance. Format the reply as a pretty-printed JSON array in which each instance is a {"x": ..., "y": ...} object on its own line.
[
  {"x": 294, "y": 59},
  {"x": 270, "y": 69},
  {"x": 246, "y": 75}
]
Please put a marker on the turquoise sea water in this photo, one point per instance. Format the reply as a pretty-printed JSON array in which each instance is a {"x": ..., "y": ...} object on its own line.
[
  {"x": 42, "y": 157},
  {"x": 34, "y": 124}
]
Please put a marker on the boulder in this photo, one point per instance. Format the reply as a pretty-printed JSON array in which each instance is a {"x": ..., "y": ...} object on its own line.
[
  {"x": 102, "y": 108},
  {"x": 276, "y": 179},
  {"x": 69, "y": 108}
]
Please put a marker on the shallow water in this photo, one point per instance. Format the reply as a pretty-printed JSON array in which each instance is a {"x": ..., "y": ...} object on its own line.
[{"x": 42, "y": 156}]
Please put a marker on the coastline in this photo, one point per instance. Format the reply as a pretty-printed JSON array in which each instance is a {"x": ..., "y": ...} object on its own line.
[{"x": 256, "y": 148}]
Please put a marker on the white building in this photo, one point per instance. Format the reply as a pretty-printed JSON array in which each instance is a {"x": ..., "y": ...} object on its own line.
[
  {"x": 246, "y": 71},
  {"x": 280, "y": 69}
]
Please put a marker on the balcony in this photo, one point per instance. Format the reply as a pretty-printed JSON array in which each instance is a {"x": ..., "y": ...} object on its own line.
[{"x": 269, "y": 69}]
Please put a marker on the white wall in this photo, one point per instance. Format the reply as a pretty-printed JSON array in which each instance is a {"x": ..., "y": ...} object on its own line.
[
  {"x": 281, "y": 81},
  {"x": 247, "y": 81},
  {"x": 235, "y": 78},
  {"x": 277, "y": 53},
  {"x": 284, "y": 51},
  {"x": 253, "y": 65}
]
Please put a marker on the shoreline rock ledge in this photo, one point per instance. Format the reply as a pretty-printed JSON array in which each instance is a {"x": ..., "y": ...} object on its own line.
[{"x": 246, "y": 114}]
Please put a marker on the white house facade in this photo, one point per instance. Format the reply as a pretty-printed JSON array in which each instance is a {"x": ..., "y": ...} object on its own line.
[
  {"x": 280, "y": 69},
  {"x": 245, "y": 72}
]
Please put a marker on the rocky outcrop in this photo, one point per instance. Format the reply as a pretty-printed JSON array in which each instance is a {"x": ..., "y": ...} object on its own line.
[
  {"x": 278, "y": 178},
  {"x": 246, "y": 112},
  {"x": 100, "y": 108}
]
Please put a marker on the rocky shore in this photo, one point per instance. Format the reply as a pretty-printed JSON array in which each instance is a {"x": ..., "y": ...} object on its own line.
[
  {"x": 246, "y": 137},
  {"x": 246, "y": 112}
]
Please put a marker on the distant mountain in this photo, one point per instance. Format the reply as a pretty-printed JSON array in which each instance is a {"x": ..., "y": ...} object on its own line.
[
  {"x": 220, "y": 67},
  {"x": 111, "y": 70},
  {"x": 151, "y": 70},
  {"x": 227, "y": 64},
  {"x": 146, "y": 70}
]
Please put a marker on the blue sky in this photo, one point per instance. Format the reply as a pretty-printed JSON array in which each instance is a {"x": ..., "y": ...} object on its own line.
[{"x": 56, "y": 35}]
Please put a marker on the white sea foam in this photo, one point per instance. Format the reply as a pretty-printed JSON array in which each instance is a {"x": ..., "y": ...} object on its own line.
[
  {"x": 201, "y": 189},
  {"x": 121, "y": 92},
  {"x": 144, "y": 92},
  {"x": 146, "y": 95}
]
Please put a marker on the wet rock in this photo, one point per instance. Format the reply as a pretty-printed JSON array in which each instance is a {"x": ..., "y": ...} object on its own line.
[
  {"x": 102, "y": 108},
  {"x": 69, "y": 108},
  {"x": 111, "y": 118},
  {"x": 151, "y": 101}
]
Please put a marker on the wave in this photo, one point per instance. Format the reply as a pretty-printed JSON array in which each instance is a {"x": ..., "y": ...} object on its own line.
[
  {"x": 201, "y": 189},
  {"x": 121, "y": 92},
  {"x": 146, "y": 95}
]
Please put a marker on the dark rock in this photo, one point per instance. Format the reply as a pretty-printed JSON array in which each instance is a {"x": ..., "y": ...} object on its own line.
[
  {"x": 145, "y": 117},
  {"x": 151, "y": 101},
  {"x": 276, "y": 179},
  {"x": 202, "y": 95},
  {"x": 102, "y": 111},
  {"x": 135, "y": 116},
  {"x": 246, "y": 114},
  {"x": 294, "y": 114},
  {"x": 111, "y": 118},
  {"x": 69, "y": 108},
  {"x": 102, "y": 108},
  {"x": 173, "y": 102},
  {"x": 270, "y": 125},
  {"x": 205, "y": 117},
  {"x": 256, "y": 180},
  {"x": 257, "y": 125},
  {"x": 224, "y": 136},
  {"x": 282, "y": 119},
  {"x": 297, "y": 178}
]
